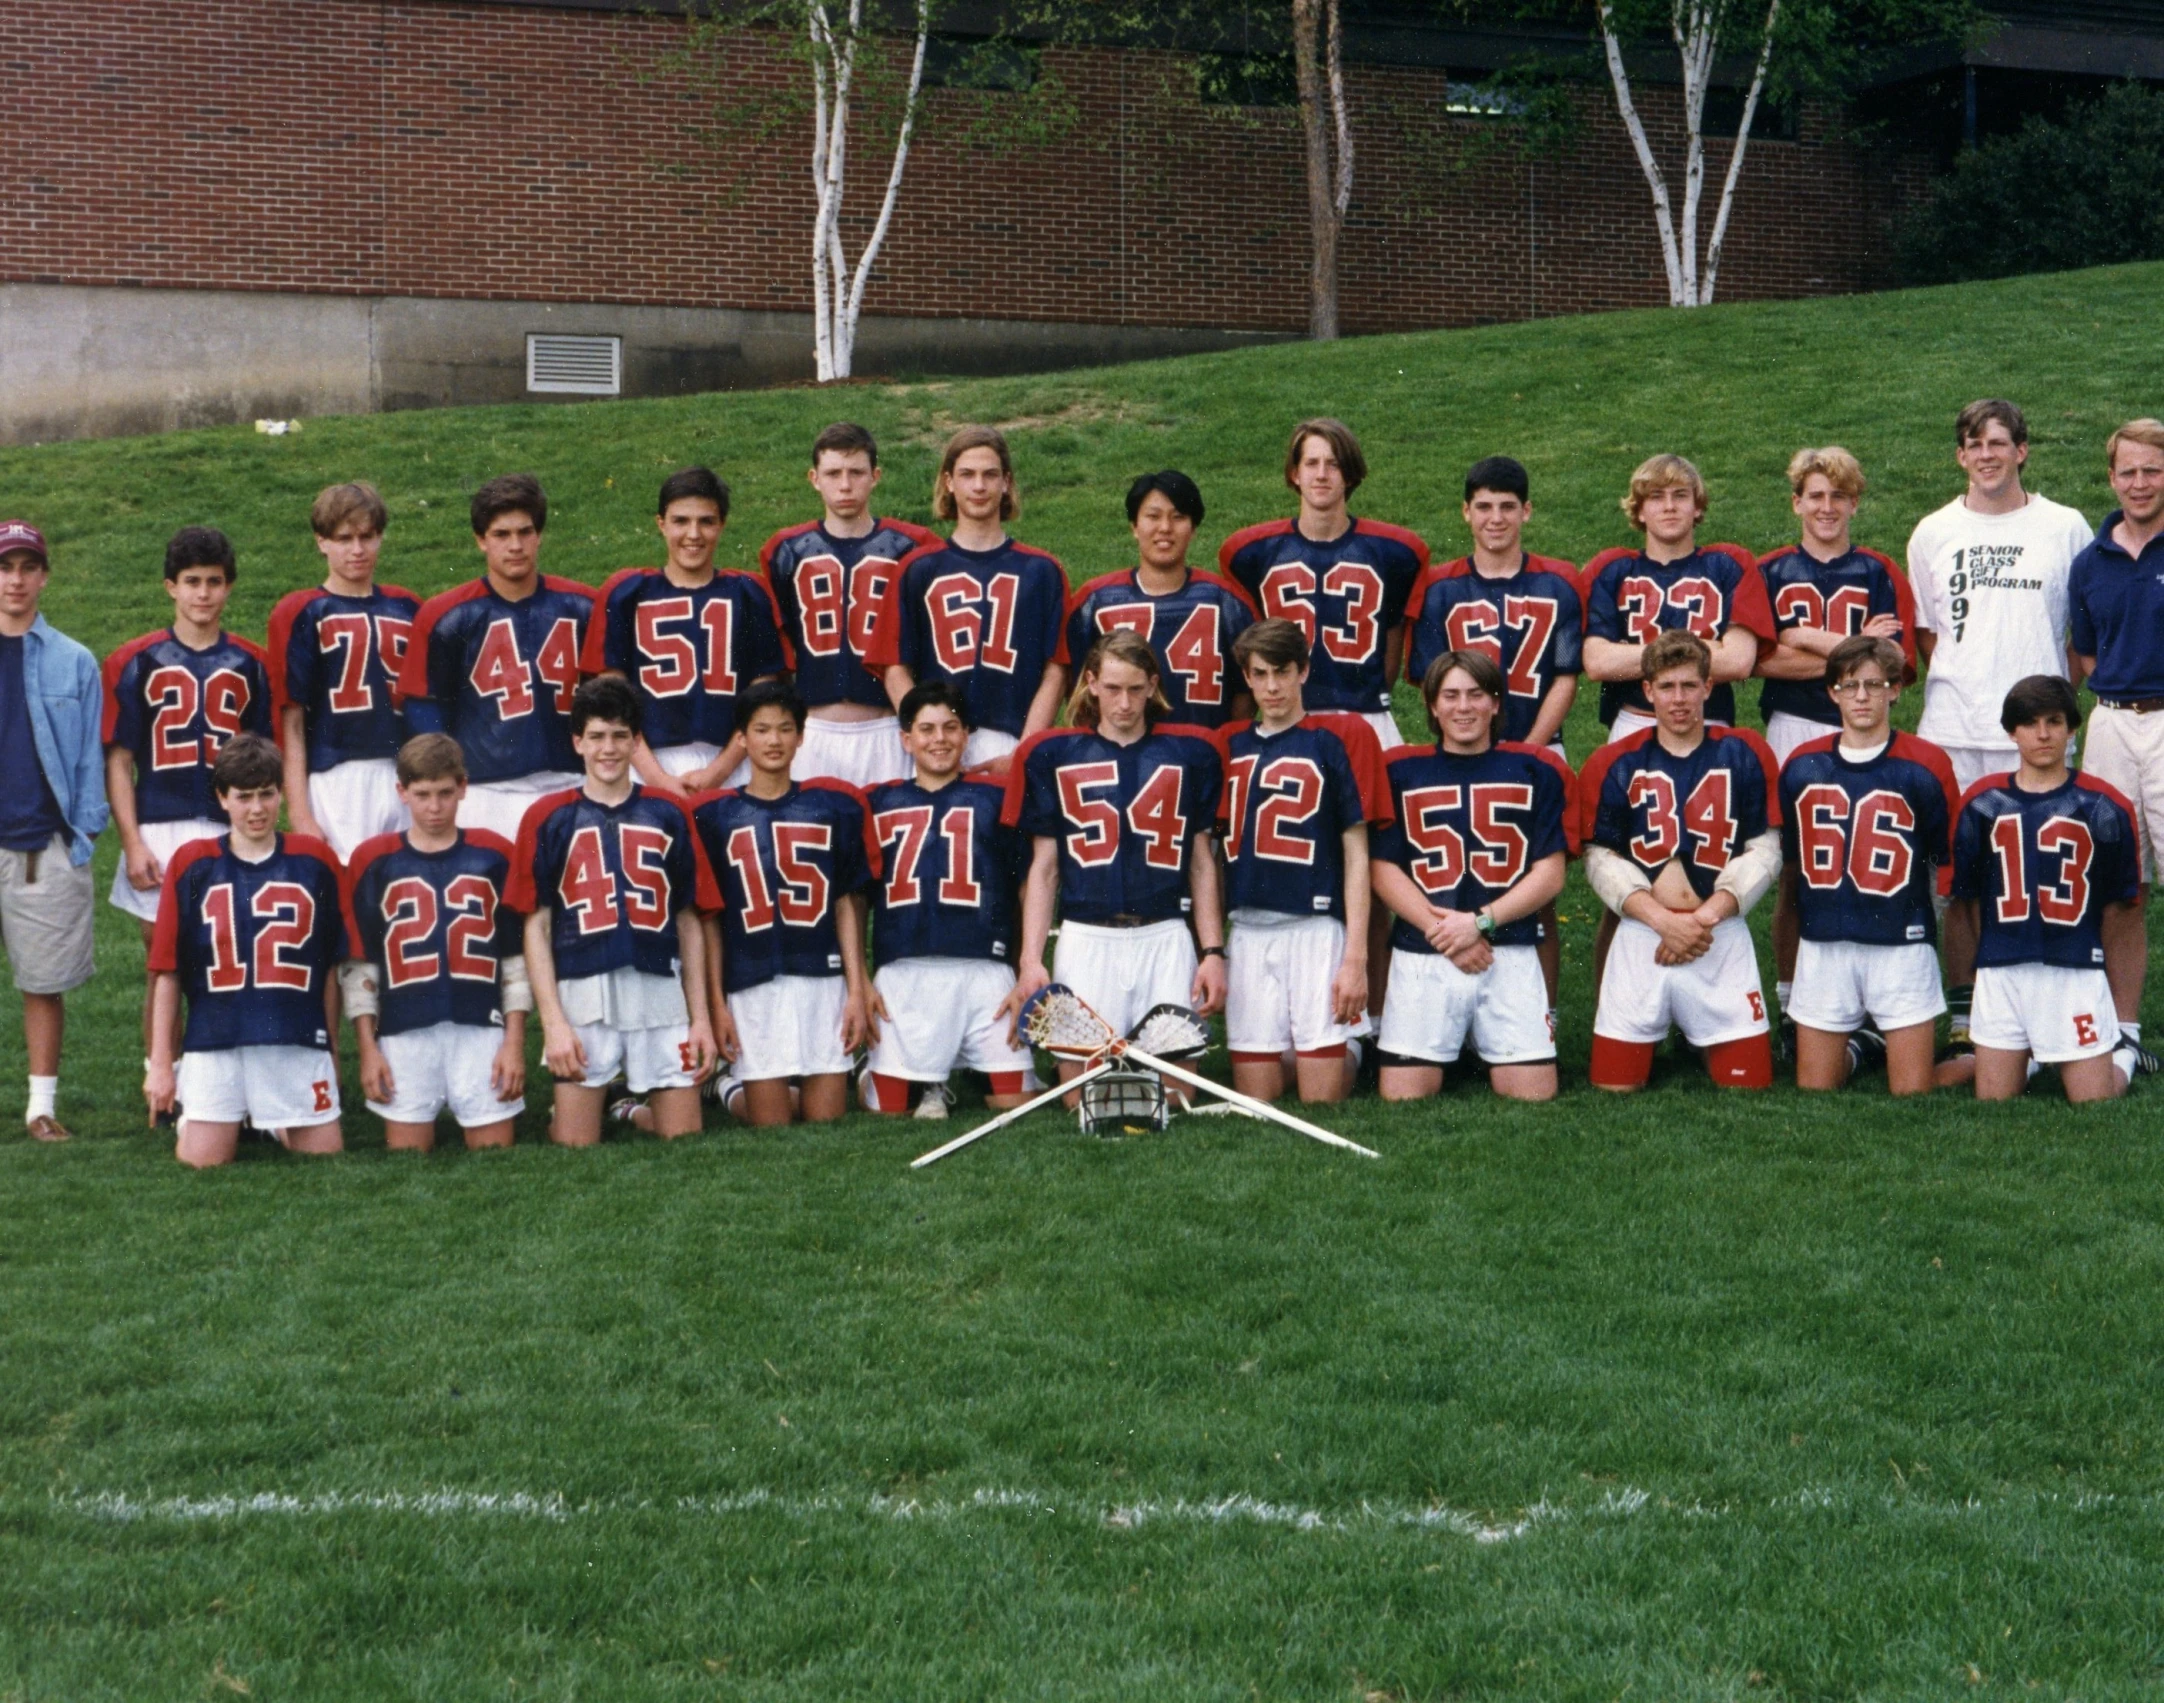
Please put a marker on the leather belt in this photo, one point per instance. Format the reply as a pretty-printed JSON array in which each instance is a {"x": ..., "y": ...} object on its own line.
[
  {"x": 2140, "y": 706},
  {"x": 1125, "y": 919}
]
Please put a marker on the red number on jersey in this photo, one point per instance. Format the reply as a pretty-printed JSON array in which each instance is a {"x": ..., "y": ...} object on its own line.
[
  {"x": 1654, "y": 793},
  {"x": 1137, "y": 618},
  {"x": 392, "y": 632},
  {"x": 226, "y": 973},
  {"x": 1536, "y": 618},
  {"x": 867, "y": 592},
  {"x": 409, "y": 914},
  {"x": 348, "y": 635},
  {"x": 1290, "y": 790},
  {"x": 1197, "y": 655},
  {"x": 803, "y": 883},
  {"x": 757, "y": 910},
  {"x": 1425, "y": 812},
  {"x": 2062, "y": 901},
  {"x": 1155, "y": 815},
  {"x": 1709, "y": 817},
  {"x": 558, "y": 663},
  {"x": 172, "y": 695},
  {"x": 819, "y": 604},
  {"x": 905, "y": 830},
  {"x": 1473, "y": 626},
  {"x": 285, "y": 915},
  {"x": 1877, "y": 858},
  {"x": 1701, "y": 603},
  {"x": 471, "y": 938},
  {"x": 959, "y": 886},
  {"x": 718, "y": 619},
  {"x": 643, "y": 851},
  {"x": 1096, "y": 823},
  {"x": 586, "y": 886},
  {"x": 1638, "y": 607},
  {"x": 1501, "y": 859},
  {"x": 1358, "y": 638},
  {"x": 1803, "y": 606},
  {"x": 499, "y": 672},
  {"x": 668, "y": 661},
  {"x": 963, "y": 635}
]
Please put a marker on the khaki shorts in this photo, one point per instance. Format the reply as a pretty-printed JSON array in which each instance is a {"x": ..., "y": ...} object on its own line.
[{"x": 45, "y": 918}]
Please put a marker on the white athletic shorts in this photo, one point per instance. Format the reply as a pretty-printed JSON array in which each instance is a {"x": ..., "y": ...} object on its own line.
[
  {"x": 2052, "y": 1013},
  {"x": 164, "y": 839},
  {"x": 988, "y": 745},
  {"x": 357, "y": 801},
  {"x": 1971, "y": 763},
  {"x": 790, "y": 1026},
  {"x": 446, "y": 1064},
  {"x": 1386, "y": 728},
  {"x": 1433, "y": 1005},
  {"x": 682, "y": 759},
  {"x": 1712, "y": 999},
  {"x": 1839, "y": 983},
  {"x": 1123, "y": 972},
  {"x": 1278, "y": 970},
  {"x": 1784, "y": 732},
  {"x": 500, "y": 806},
  {"x": 649, "y": 1058},
  {"x": 270, "y": 1087},
  {"x": 942, "y": 1012},
  {"x": 863, "y": 753},
  {"x": 2126, "y": 750}
]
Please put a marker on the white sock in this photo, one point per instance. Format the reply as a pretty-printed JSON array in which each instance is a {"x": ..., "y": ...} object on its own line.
[
  {"x": 44, "y": 1090},
  {"x": 1781, "y": 991},
  {"x": 2130, "y": 1029}
]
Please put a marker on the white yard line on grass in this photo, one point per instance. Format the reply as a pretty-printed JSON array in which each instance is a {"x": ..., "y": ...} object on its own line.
[{"x": 119, "y": 1508}]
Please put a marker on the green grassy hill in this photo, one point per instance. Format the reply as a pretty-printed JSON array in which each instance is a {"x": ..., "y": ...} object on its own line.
[{"x": 1687, "y": 1397}]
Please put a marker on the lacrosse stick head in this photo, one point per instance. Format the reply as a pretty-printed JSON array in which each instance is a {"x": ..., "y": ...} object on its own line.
[
  {"x": 1058, "y": 1019},
  {"x": 1125, "y": 1102},
  {"x": 1170, "y": 1031}
]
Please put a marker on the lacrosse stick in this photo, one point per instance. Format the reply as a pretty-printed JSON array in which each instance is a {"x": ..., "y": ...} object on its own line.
[
  {"x": 1169, "y": 1032},
  {"x": 1013, "y": 1113},
  {"x": 1056, "y": 1019},
  {"x": 1253, "y": 1108}
]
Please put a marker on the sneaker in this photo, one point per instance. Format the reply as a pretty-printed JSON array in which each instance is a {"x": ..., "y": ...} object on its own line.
[
  {"x": 933, "y": 1106},
  {"x": 625, "y": 1110},
  {"x": 716, "y": 1087},
  {"x": 1784, "y": 1041},
  {"x": 1866, "y": 1051},
  {"x": 2145, "y": 1062},
  {"x": 45, "y": 1127}
]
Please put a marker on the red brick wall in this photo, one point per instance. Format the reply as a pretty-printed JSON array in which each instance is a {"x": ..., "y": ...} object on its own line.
[{"x": 425, "y": 148}]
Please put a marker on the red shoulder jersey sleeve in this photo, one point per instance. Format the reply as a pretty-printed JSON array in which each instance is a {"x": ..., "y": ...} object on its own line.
[
  {"x": 164, "y": 956},
  {"x": 1573, "y": 826},
  {"x": 1592, "y": 570},
  {"x": 872, "y": 859},
  {"x": 1766, "y": 761},
  {"x": 1593, "y": 777},
  {"x": 1404, "y": 535},
  {"x": 1244, "y": 537},
  {"x": 885, "y": 650},
  {"x": 1229, "y": 586},
  {"x": 593, "y": 647},
  {"x": 349, "y": 883},
  {"x": 1010, "y": 807},
  {"x": 1748, "y": 605},
  {"x": 773, "y": 609},
  {"x": 1929, "y": 756},
  {"x": 1904, "y": 607},
  {"x": 413, "y": 672},
  {"x": 522, "y": 893},
  {"x": 766, "y": 550},
  {"x": 115, "y": 666},
  {"x": 279, "y": 640},
  {"x": 705, "y": 889},
  {"x": 1365, "y": 753}
]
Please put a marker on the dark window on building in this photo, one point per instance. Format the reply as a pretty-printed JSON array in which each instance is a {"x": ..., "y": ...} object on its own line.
[
  {"x": 975, "y": 62},
  {"x": 1247, "y": 79},
  {"x": 1774, "y": 121}
]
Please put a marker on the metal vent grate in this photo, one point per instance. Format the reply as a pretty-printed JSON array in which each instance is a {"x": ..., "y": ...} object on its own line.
[{"x": 574, "y": 366}]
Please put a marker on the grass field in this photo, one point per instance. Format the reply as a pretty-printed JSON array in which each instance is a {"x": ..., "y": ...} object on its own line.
[{"x": 1689, "y": 1397}]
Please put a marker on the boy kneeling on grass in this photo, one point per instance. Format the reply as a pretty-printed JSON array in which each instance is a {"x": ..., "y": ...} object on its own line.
[
  {"x": 250, "y": 928},
  {"x": 610, "y": 878},
  {"x": 437, "y": 985}
]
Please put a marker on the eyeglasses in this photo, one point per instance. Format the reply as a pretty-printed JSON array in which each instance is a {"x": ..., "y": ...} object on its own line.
[{"x": 1860, "y": 688}]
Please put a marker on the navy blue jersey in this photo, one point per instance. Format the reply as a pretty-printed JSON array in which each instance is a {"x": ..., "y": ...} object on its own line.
[
  {"x": 988, "y": 620},
  {"x": 1190, "y": 631},
  {"x": 2115, "y": 610},
  {"x": 952, "y": 871},
  {"x": 1531, "y": 623},
  {"x": 254, "y": 944},
  {"x": 687, "y": 653},
  {"x": 1124, "y": 816},
  {"x": 1835, "y": 597},
  {"x": 830, "y": 592},
  {"x": 1641, "y": 801},
  {"x": 1289, "y": 797},
  {"x": 1630, "y": 599},
  {"x": 172, "y": 709},
  {"x": 1468, "y": 828},
  {"x": 1865, "y": 837},
  {"x": 779, "y": 865},
  {"x": 498, "y": 676},
  {"x": 336, "y": 659},
  {"x": 2042, "y": 866},
  {"x": 1348, "y": 595},
  {"x": 613, "y": 877},
  {"x": 436, "y": 925}
]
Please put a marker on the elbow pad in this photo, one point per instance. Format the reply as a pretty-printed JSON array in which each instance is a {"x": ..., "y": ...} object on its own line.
[
  {"x": 511, "y": 978},
  {"x": 1751, "y": 871},
  {"x": 357, "y": 987},
  {"x": 1613, "y": 877}
]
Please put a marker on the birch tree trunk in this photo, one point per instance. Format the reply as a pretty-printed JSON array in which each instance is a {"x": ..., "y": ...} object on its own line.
[
  {"x": 837, "y": 286},
  {"x": 1696, "y": 26},
  {"x": 1318, "y": 68}
]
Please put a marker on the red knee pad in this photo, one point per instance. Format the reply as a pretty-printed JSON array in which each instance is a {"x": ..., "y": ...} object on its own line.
[
  {"x": 888, "y": 1093},
  {"x": 1620, "y": 1064},
  {"x": 1336, "y": 1052},
  {"x": 1747, "y": 1063},
  {"x": 1258, "y": 1058},
  {"x": 1005, "y": 1081}
]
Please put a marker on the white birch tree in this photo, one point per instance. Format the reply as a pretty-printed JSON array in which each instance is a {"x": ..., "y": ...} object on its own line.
[{"x": 1318, "y": 61}]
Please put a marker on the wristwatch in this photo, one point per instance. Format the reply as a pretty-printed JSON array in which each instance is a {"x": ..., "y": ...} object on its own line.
[
  {"x": 1211, "y": 952},
  {"x": 1484, "y": 924}
]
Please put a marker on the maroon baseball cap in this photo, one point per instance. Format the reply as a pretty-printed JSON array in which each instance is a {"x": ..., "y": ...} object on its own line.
[{"x": 21, "y": 535}]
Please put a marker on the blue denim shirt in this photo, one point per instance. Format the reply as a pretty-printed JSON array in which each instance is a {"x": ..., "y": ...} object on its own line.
[{"x": 67, "y": 709}]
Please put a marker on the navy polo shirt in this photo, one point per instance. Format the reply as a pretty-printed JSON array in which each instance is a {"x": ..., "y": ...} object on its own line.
[
  {"x": 29, "y": 814},
  {"x": 2116, "y": 606}
]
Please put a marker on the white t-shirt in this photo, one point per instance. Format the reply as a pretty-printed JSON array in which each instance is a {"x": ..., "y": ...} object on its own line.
[{"x": 1992, "y": 587}]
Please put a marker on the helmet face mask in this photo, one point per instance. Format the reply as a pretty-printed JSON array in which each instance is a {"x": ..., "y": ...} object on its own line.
[{"x": 1125, "y": 1102}]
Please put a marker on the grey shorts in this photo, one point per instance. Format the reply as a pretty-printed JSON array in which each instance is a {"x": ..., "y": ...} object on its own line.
[{"x": 45, "y": 918}]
